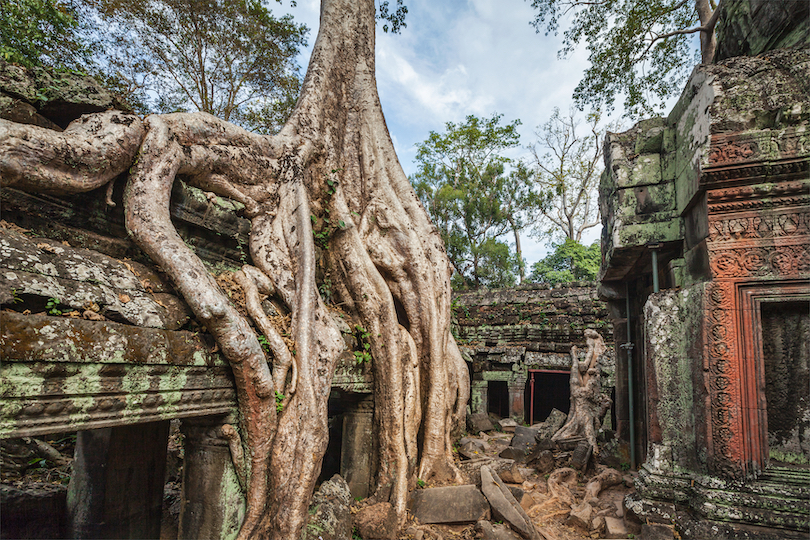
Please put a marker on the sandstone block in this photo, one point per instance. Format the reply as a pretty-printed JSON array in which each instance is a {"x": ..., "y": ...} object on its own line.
[{"x": 454, "y": 504}]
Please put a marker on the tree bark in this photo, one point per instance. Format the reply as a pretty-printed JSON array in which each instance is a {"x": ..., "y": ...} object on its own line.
[{"x": 332, "y": 167}]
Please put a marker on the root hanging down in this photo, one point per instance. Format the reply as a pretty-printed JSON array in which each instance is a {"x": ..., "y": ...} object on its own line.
[{"x": 333, "y": 165}]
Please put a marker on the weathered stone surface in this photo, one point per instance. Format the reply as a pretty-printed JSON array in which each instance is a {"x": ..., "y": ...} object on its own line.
[
  {"x": 61, "y": 97},
  {"x": 524, "y": 438},
  {"x": 471, "y": 450},
  {"x": 751, "y": 27},
  {"x": 38, "y": 511},
  {"x": 504, "y": 505},
  {"x": 330, "y": 514},
  {"x": 378, "y": 522},
  {"x": 19, "y": 111},
  {"x": 615, "y": 528},
  {"x": 454, "y": 504},
  {"x": 510, "y": 473},
  {"x": 76, "y": 278},
  {"x": 146, "y": 374},
  {"x": 507, "y": 425},
  {"x": 211, "y": 501},
  {"x": 580, "y": 516},
  {"x": 656, "y": 531},
  {"x": 551, "y": 425},
  {"x": 581, "y": 456},
  {"x": 543, "y": 461},
  {"x": 494, "y": 531},
  {"x": 517, "y": 454},
  {"x": 598, "y": 524},
  {"x": 480, "y": 421}
]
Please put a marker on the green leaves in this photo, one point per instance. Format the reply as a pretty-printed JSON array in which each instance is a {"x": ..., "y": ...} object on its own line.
[
  {"x": 474, "y": 195},
  {"x": 39, "y": 32},
  {"x": 632, "y": 48},
  {"x": 570, "y": 261}
]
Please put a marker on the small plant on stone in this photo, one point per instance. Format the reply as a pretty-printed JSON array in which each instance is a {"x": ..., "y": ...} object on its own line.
[
  {"x": 15, "y": 298},
  {"x": 279, "y": 402},
  {"x": 420, "y": 483},
  {"x": 52, "y": 306}
]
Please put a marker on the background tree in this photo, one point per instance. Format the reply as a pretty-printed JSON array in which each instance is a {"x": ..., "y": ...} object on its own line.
[
  {"x": 40, "y": 33},
  {"x": 331, "y": 171},
  {"x": 567, "y": 164},
  {"x": 639, "y": 48},
  {"x": 570, "y": 261},
  {"x": 473, "y": 199},
  {"x": 229, "y": 58}
]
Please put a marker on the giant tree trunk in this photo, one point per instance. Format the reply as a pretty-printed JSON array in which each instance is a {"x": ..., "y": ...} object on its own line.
[{"x": 332, "y": 171}]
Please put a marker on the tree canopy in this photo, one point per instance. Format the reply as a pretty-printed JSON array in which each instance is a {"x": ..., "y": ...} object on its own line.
[
  {"x": 229, "y": 58},
  {"x": 40, "y": 32},
  {"x": 570, "y": 261},
  {"x": 566, "y": 165},
  {"x": 638, "y": 48},
  {"x": 475, "y": 195}
]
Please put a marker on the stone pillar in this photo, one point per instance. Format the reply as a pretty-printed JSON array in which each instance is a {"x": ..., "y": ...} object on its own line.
[
  {"x": 479, "y": 398},
  {"x": 517, "y": 392},
  {"x": 116, "y": 489},
  {"x": 357, "y": 452},
  {"x": 212, "y": 504}
]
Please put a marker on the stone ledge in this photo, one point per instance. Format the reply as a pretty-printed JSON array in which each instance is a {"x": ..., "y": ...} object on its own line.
[{"x": 61, "y": 374}]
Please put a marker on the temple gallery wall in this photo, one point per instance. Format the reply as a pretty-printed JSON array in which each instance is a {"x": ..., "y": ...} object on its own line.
[{"x": 703, "y": 299}]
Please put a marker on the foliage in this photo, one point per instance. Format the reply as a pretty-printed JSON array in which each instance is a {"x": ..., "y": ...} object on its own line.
[
  {"x": 362, "y": 356},
  {"x": 472, "y": 198},
  {"x": 40, "y": 32},
  {"x": 393, "y": 16},
  {"x": 232, "y": 59},
  {"x": 570, "y": 261},
  {"x": 639, "y": 48},
  {"x": 567, "y": 166},
  {"x": 52, "y": 306}
]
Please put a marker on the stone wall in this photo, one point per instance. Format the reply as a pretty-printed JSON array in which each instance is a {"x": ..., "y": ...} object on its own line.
[{"x": 507, "y": 334}]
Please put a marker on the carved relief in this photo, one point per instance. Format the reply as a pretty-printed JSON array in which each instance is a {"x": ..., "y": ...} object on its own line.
[
  {"x": 760, "y": 225},
  {"x": 722, "y": 372},
  {"x": 766, "y": 261},
  {"x": 730, "y": 150}
]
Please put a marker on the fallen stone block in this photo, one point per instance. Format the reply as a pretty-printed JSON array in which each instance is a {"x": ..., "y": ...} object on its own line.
[
  {"x": 504, "y": 506},
  {"x": 598, "y": 525},
  {"x": 542, "y": 461},
  {"x": 378, "y": 521},
  {"x": 524, "y": 438},
  {"x": 510, "y": 473},
  {"x": 553, "y": 423},
  {"x": 471, "y": 449},
  {"x": 581, "y": 456},
  {"x": 510, "y": 452},
  {"x": 580, "y": 516},
  {"x": 507, "y": 425},
  {"x": 454, "y": 504},
  {"x": 614, "y": 528},
  {"x": 490, "y": 531},
  {"x": 656, "y": 531},
  {"x": 330, "y": 516},
  {"x": 479, "y": 422}
]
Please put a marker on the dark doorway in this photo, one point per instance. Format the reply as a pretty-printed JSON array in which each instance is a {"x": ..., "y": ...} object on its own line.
[
  {"x": 786, "y": 355},
  {"x": 546, "y": 390},
  {"x": 498, "y": 398}
]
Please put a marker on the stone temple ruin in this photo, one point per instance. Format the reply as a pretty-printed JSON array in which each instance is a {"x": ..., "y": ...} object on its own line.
[
  {"x": 706, "y": 271},
  {"x": 704, "y": 295}
]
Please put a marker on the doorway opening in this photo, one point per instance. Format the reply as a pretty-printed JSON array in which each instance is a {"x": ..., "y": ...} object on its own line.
[
  {"x": 786, "y": 359},
  {"x": 546, "y": 390},
  {"x": 498, "y": 398}
]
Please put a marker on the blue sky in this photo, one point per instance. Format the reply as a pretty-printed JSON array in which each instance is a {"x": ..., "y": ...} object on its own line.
[{"x": 460, "y": 57}]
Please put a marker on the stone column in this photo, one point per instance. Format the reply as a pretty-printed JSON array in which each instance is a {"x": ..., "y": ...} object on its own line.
[
  {"x": 357, "y": 452},
  {"x": 479, "y": 399},
  {"x": 213, "y": 505},
  {"x": 517, "y": 392},
  {"x": 116, "y": 489}
]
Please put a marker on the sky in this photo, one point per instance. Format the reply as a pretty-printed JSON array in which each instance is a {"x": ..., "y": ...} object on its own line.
[{"x": 461, "y": 57}]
